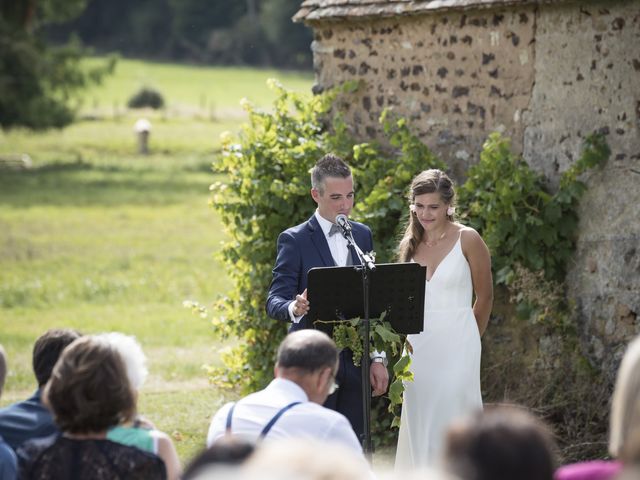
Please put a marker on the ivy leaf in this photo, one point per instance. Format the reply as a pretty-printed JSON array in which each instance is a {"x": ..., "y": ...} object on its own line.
[
  {"x": 386, "y": 334},
  {"x": 396, "y": 389},
  {"x": 402, "y": 365}
]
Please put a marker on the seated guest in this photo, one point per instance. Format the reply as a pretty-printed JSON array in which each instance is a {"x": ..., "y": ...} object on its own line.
[
  {"x": 305, "y": 459},
  {"x": 623, "y": 423},
  {"x": 8, "y": 463},
  {"x": 501, "y": 443},
  {"x": 138, "y": 432},
  {"x": 219, "y": 460},
  {"x": 88, "y": 393},
  {"x": 291, "y": 405},
  {"x": 30, "y": 419}
]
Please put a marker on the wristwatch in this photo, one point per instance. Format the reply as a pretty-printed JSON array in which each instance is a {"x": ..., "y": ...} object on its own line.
[{"x": 381, "y": 360}]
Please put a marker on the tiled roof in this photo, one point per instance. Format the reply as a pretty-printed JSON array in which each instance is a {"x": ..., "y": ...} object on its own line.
[{"x": 315, "y": 10}]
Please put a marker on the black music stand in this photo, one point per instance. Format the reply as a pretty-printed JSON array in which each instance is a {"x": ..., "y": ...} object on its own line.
[{"x": 337, "y": 293}]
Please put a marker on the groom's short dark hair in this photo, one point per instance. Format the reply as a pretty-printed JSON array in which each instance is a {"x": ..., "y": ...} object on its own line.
[{"x": 328, "y": 166}]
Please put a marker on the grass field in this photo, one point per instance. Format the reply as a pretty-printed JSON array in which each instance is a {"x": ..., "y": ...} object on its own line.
[
  {"x": 98, "y": 238},
  {"x": 191, "y": 89}
]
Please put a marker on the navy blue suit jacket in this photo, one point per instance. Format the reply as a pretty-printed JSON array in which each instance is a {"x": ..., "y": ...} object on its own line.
[
  {"x": 26, "y": 420},
  {"x": 300, "y": 249}
]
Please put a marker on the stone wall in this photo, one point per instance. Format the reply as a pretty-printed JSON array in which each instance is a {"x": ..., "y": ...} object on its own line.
[
  {"x": 456, "y": 76},
  {"x": 546, "y": 76},
  {"x": 587, "y": 78}
]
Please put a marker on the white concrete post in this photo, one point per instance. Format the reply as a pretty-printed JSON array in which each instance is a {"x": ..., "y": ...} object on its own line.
[{"x": 142, "y": 128}]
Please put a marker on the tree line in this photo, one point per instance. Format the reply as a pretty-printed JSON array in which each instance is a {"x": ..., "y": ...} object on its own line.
[
  {"x": 219, "y": 32},
  {"x": 43, "y": 42}
]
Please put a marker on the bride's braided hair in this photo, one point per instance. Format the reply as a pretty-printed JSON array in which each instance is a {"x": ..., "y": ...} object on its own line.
[{"x": 428, "y": 181}]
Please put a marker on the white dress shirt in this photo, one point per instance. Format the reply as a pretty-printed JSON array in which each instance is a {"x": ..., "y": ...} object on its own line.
[
  {"x": 307, "y": 420},
  {"x": 338, "y": 246},
  {"x": 337, "y": 243}
]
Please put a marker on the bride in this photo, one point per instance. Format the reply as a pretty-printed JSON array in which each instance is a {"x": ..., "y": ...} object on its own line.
[{"x": 445, "y": 357}]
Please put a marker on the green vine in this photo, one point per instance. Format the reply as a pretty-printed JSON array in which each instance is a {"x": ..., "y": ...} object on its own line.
[
  {"x": 383, "y": 337},
  {"x": 266, "y": 190},
  {"x": 520, "y": 218}
]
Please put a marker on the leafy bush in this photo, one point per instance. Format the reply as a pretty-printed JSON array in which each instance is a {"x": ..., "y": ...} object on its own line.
[
  {"x": 520, "y": 219},
  {"x": 146, "y": 97},
  {"x": 267, "y": 191},
  {"x": 530, "y": 231}
]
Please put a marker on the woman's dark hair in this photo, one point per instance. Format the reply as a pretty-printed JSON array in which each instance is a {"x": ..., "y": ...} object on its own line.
[
  {"x": 89, "y": 390},
  {"x": 47, "y": 350},
  {"x": 503, "y": 443},
  {"x": 227, "y": 451}
]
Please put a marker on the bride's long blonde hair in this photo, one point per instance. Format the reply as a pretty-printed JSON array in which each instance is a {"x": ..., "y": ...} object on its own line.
[{"x": 427, "y": 181}]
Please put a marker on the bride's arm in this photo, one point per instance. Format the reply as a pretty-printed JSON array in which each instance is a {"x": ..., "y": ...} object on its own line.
[{"x": 477, "y": 254}]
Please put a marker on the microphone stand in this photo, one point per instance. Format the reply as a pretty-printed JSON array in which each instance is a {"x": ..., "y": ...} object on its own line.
[{"x": 367, "y": 265}]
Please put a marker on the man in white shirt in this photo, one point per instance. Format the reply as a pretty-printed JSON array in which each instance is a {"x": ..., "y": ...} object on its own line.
[{"x": 291, "y": 405}]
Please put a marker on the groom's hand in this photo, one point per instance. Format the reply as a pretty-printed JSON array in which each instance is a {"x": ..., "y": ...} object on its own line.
[
  {"x": 379, "y": 378},
  {"x": 301, "y": 304}
]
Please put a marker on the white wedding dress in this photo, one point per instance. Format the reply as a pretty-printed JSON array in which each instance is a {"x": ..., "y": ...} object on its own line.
[{"x": 445, "y": 363}]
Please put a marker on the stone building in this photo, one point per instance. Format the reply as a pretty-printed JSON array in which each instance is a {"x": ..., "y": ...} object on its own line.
[{"x": 546, "y": 74}]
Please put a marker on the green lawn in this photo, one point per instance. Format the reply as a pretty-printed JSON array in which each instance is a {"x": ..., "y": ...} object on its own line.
[
  {"x": 116, "y": 243},
  {"x": 98, "y": 238},
  {"x": 192, "y": 89}
]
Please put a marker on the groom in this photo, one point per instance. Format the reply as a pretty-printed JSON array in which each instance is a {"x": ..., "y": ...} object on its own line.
[{"x": 319, "y": 243}]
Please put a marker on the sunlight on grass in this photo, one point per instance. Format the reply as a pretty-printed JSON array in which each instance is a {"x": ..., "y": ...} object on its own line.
[
  {"x": 112, "y": 142},
  {"x": 191, "y": 89},
  {"x": 114, "y": 242},
  {"x": 98, "y": 238}
]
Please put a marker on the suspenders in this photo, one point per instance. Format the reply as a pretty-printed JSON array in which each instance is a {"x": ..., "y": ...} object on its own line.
[{"x": 267, "y": 427}]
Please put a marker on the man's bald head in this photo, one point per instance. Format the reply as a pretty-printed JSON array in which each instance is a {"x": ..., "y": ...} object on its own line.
[{"x": 307, "y": 350}]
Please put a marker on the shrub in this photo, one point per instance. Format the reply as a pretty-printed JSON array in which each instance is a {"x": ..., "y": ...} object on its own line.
[
  {"x": 146, "y": 97},
  {"x": 520, "y": 218},
  {"x": 267, "y": 191}
]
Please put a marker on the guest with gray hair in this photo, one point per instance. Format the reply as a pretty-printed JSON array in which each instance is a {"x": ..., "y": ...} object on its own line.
[
  {"x": 138, "y": 432},
  {"x": 88, "y": 393}
]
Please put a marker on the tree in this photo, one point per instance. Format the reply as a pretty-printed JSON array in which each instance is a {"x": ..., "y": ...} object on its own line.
[
  {"x": 37, "y": 82},
  {"x": 236, "y": 32},
  {"x": 289, "y": 43}
]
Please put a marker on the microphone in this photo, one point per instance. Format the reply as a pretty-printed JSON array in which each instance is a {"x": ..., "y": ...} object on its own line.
[{"x": 343, "y": 222}]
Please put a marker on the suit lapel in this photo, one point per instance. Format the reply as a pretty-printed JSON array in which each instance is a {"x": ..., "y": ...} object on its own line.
[
  {"x": 354, "y": 256},
  {"x": 320, "y": 242}
]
